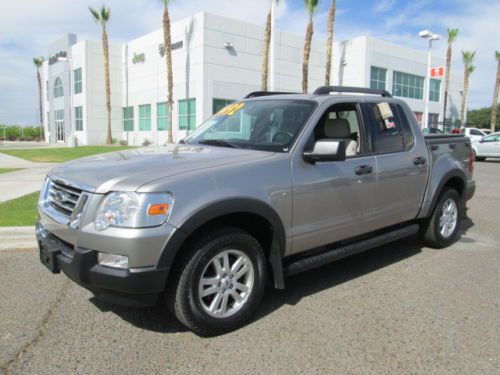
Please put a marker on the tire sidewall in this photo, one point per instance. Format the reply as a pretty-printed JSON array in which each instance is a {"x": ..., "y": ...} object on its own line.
[
  {"x": 238, "y": 241},
  {"x": 447, "y": 194}
]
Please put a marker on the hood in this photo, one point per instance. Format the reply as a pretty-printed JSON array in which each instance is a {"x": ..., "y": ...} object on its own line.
[{"x": 128, "y": 170}]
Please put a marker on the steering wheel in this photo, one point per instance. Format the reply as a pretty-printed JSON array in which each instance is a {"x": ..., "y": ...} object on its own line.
[{"x": 283, "y": 133}]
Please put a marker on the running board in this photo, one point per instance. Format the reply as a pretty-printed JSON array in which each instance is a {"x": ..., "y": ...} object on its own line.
[{"x": 351, "y": 249}]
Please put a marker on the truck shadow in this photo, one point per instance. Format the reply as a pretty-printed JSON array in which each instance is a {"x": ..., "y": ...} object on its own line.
[{"x": 305, "y": 284}]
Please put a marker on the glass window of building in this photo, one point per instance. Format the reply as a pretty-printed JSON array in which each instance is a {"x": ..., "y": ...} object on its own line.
[
  {"x": 145, "y": 117},
  {"x": 161, "y": 116},
  {"x": 79, "y": 118},
  {"x": 218, "y": 104},
  {"x": 128, "y": 119},
  {"x": 187, "y": 114},
  {"x": 58, "y": 88},
  {"x": 407, "y": 85},
  {"x": 59, "y": 122},
  {"x": 435, "y": 87},
  {"x": 378, "y": 77},
  {"x": 77, "y": 79}
]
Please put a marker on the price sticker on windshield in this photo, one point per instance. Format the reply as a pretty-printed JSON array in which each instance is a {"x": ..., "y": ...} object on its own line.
[{"x": 230, "y": 109}]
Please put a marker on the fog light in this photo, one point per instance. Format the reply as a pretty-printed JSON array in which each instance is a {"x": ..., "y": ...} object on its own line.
[{"x": 112, "y": 260}]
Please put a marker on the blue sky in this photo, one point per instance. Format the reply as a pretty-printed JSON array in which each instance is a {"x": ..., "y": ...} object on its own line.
[{"x": 27, "y": 26}]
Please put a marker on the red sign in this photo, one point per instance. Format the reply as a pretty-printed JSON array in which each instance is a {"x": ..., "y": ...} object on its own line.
[{"x": 437, "y": 72}]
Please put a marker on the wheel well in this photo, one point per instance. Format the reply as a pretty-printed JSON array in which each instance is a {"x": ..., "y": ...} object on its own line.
[
  {"x": 456, "y": 183},
  {"x": 256, "y": 225}
]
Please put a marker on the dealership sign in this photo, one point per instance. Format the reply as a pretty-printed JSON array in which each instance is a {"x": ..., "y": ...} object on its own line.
[
  {"x": 176, "y": 45},
  {"x": 437, "y": 72},
  {"x": 54, "y": 58},
  {"x": 138, "y": 58}
]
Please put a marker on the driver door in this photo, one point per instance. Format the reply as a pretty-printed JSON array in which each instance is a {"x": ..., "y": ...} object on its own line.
[
  {"x": 490, "y": 146},
  {"x": 333, "y": 201}
]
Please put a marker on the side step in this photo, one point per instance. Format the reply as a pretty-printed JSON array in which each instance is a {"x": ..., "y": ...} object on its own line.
[{"x": 351, "y": 249}]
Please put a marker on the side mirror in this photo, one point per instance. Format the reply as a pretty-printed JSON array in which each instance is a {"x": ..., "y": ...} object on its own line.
[{"x": 326, "y": 150}]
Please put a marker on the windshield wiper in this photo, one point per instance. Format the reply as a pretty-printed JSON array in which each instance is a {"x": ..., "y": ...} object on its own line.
[{"x": 218, "y": 142}]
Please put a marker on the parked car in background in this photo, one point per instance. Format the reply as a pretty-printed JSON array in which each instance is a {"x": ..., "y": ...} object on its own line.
[
  {"x": 488, "y": 147},
  {"x": 432, "y": 131},
  {"x": 474, "y": 134}
]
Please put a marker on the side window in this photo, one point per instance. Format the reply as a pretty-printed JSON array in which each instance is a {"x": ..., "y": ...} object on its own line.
[
  {"x": 492, "y": 138},
  {"x": 341, "y": 122},
  {"x": 387, "y": 130},
  {"x": 408, "y": 137},
  {"x": 476, "y": 132}
]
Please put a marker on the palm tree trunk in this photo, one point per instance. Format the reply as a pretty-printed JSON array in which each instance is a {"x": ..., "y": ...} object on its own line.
[
  {"x": 329, "y": 43},
  {"x": 265, "y": 54},
  {"x": 40, "y": 102},
  {"x": 464, "y": 97},
  {"x": 105, "y": 48},
  {"x": 307, "y": 52},
  {"x": 167, "y": 40},
  {"x": 446, "y": 82},
  {"x": 494, "y": 105}
]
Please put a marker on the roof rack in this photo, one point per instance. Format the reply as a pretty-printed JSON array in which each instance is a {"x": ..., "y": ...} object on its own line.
[
  {"x": 256, "y": 94},
  {"x": 326, "y": 90}
]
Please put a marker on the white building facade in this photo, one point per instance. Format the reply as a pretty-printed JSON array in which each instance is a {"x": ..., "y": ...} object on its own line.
[{"x": 216, "y": 60}]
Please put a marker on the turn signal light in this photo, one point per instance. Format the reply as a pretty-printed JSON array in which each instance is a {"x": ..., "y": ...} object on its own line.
[{"x": 158, "y": 209}]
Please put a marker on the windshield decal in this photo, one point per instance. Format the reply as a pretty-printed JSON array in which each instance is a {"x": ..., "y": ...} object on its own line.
[{"x": 230, "y": 109}]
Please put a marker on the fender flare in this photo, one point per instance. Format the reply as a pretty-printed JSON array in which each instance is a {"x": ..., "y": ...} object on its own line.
[
  {"x": 225, "y": 207},
  {"x": 444, "y": 180}
]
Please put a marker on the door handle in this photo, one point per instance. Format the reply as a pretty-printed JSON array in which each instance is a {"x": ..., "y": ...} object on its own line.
[
  {"x": 363, "y": 169},
  {"x": 419, "y": 160}
]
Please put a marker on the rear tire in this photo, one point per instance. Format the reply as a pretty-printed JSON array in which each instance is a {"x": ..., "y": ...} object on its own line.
[
  {"x": 219, "y": 281},
  {"x": 442, "y": 228},
  {"x": 479, "y": 158}
]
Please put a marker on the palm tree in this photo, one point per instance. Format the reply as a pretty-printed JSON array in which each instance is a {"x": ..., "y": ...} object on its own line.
[
  {"x": 38, "y": 61},
  {"x": 329, "y": 43},
  {"x": 102, "y": 16},
  {"x": 494, "y": 105},
  {"x": 267, "y": 42},
  {"x": 468, "y": 58},
  {"x": 167, "y": 41},
  {"x": 311, "y": 6},
  {"x": 452, "y": 37}
]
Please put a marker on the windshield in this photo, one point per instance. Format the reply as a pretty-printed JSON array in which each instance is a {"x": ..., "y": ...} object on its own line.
[{"x": 269, "y": 125}]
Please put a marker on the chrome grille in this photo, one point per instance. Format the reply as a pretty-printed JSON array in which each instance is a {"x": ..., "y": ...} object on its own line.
[{"x": 63, "y": 198}]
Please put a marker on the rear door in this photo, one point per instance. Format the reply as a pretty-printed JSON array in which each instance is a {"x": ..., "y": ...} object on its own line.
[{"x": 402, "y": 165}]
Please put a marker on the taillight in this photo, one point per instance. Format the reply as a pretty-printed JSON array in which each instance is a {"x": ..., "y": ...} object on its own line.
[{"x": 471, "y": 161}]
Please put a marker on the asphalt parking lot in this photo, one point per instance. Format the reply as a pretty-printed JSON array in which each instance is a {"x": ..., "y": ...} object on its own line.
[{"x": 397, "y": 309}]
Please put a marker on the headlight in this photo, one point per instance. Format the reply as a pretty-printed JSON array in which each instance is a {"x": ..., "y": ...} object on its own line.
[{"x": 133, "y": 210}]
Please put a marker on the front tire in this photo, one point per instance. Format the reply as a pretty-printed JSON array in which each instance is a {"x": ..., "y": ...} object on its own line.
[
  {"x": 219, "y": 282},
  {"x": 442, "y": 228}
]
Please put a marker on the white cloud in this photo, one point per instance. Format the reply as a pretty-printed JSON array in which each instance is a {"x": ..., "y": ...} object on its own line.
[{"x": 384, "y": 6}]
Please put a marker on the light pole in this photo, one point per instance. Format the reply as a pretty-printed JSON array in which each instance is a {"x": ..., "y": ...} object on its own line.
[{"x": 430, "y": 36}]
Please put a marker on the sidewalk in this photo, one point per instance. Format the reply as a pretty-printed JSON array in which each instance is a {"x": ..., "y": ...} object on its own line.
[
  {"x": 17, "y": 238},
  {"x": 18, "y": 183}
]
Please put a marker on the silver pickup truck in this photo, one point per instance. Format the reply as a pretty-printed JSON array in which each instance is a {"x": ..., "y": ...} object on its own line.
[{"x": 270, "y": 186}]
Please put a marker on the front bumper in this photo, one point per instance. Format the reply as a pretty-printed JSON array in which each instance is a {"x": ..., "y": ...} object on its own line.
[{"x": 131, "y": 287}]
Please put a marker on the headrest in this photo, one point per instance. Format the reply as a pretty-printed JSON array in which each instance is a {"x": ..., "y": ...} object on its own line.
[{"x": 337, "y": 128}]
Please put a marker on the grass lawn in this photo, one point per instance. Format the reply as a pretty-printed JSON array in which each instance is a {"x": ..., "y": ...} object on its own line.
[
  {"x": 19, "y": 212},
  {"x": 5, "y": 170},
  {"x": 60, "y": 155}
]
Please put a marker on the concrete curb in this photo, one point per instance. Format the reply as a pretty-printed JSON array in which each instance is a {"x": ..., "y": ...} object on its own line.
[{"x": 17, "y": 238}]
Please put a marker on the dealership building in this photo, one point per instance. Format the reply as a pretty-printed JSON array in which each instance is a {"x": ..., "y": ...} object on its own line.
[{"x": 216, "y": 60}]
